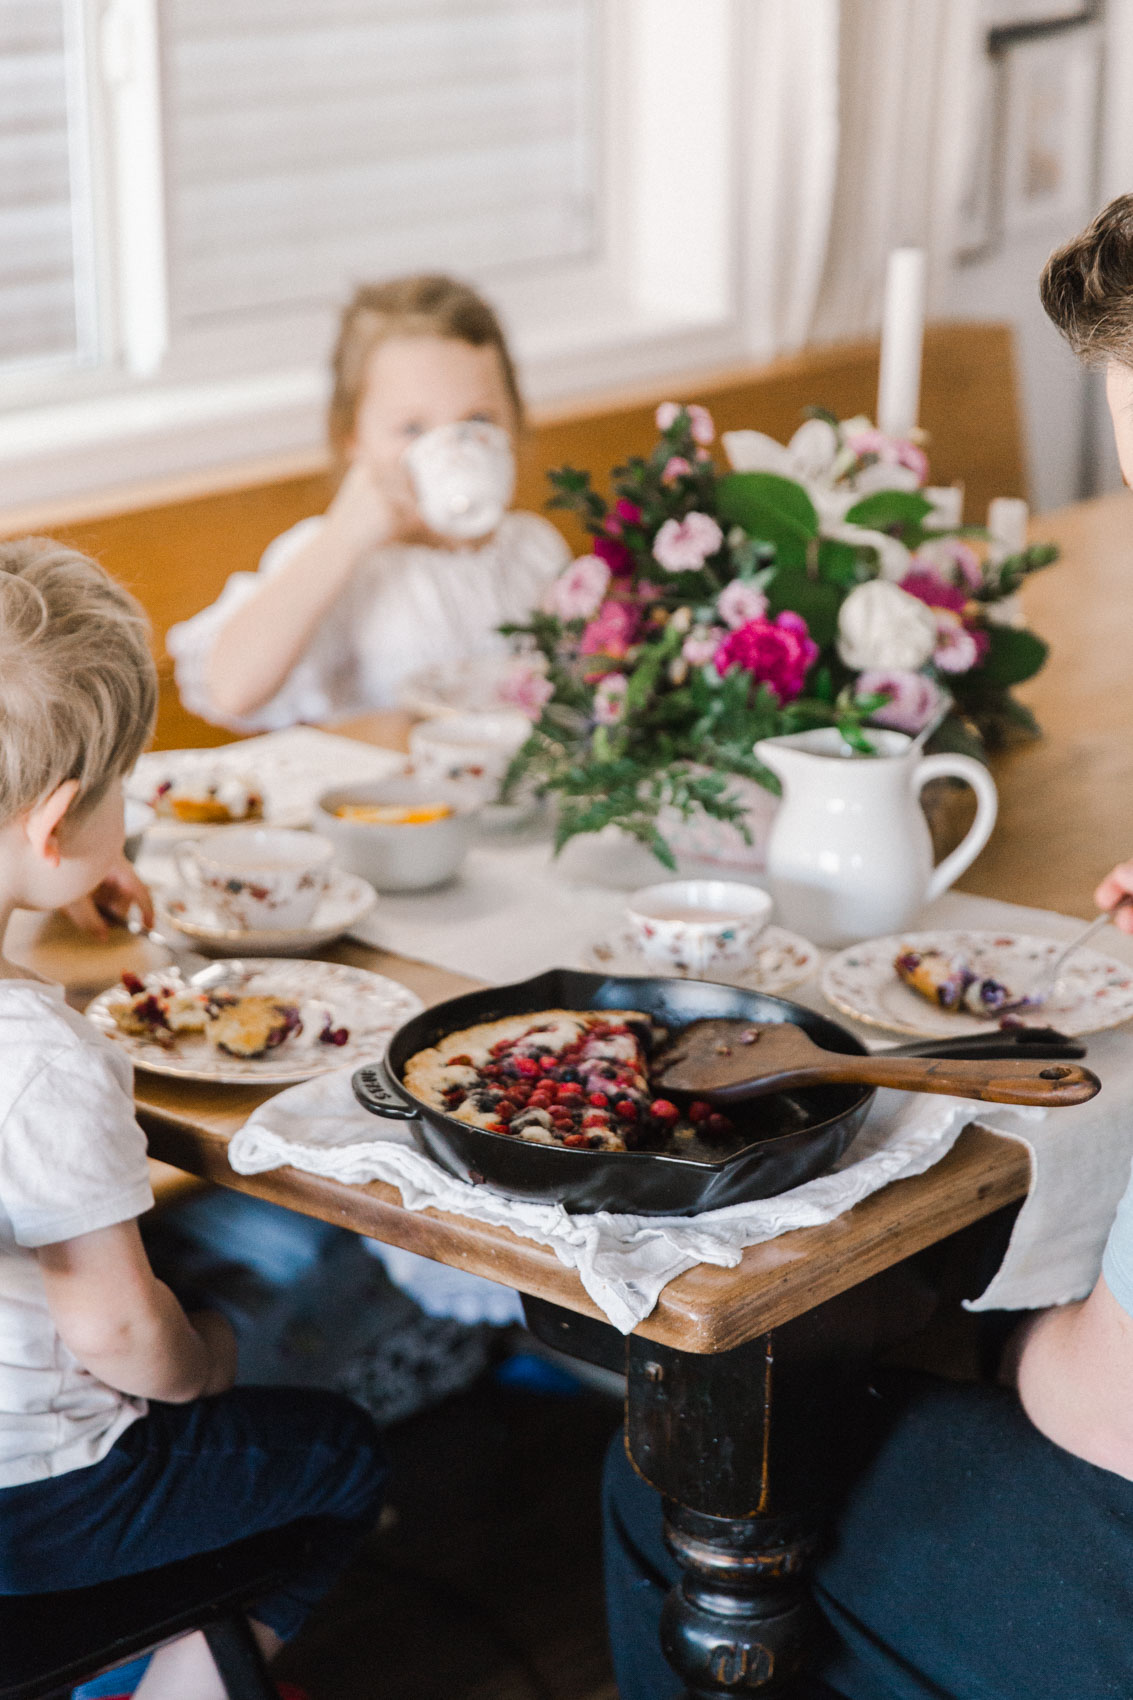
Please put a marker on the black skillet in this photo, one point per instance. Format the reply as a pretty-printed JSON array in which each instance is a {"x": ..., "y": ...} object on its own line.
[{"x": 791, "y": 1137}]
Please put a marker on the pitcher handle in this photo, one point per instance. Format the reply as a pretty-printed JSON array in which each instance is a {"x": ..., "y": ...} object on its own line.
[{"x": 973, "y": 773}]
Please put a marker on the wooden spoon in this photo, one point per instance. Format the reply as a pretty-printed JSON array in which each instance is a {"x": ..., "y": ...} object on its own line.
[{"x": 729, "y": 1061}]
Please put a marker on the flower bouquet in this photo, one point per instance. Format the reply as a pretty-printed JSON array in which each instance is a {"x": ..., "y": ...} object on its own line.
[{"x": 815, "y": 583}]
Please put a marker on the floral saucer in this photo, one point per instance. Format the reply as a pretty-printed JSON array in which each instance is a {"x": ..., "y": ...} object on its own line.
[
  {"x": 342, "y": 905},
  {"x": 1094, "y": 991},
  {"x": 780, "y": 962}
]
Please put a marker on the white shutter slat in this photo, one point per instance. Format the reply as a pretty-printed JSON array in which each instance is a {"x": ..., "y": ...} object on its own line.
[
  {"x": 38, "y": 268},
  {"x": 309, "y": 147}
]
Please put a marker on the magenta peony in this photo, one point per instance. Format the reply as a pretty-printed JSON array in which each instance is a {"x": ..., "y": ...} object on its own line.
[
  {"x": 683, "y": 545},
  {"x": 611, "y": 632},
  {"x": 615, "y": 554},
  {"x": 578, "y": 591},
  {"x": 930, "y": 588},
  {"x": 914, "y": 699},
  {"x": 777, "y": 653},
  {"x": 738, "y": 603}
]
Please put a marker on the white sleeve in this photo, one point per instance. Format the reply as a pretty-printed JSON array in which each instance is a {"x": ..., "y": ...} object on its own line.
[
  {"x": 72, "y": 1156},
  {"x": 298, "y": 699}
]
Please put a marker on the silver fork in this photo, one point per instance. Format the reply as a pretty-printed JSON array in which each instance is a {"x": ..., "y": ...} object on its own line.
[{"x": 1048, "y": 980}]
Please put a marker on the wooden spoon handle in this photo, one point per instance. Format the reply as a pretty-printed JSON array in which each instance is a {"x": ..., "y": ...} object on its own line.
[{"x": 1047, "y": 1084}]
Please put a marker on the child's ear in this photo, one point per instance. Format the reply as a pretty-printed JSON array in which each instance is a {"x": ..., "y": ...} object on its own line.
[{"x": 42, "y": 823}]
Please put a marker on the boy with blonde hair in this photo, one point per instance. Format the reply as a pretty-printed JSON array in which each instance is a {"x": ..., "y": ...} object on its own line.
[{"x": 123, "y": 1443}]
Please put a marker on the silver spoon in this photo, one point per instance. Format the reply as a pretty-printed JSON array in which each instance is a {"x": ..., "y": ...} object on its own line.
[{"x": 1047, "y": 982}]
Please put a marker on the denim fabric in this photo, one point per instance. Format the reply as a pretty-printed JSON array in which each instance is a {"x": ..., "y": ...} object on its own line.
[
  {"x": 972, "y": 1560},
  {"x": 190, "y": 1478}
]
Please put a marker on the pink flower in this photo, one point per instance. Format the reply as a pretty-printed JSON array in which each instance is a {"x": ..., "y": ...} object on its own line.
[
  {"x": 578, "y": 591},
  {"x": 527, "y": 688},
  {"x": 701, "y": 644},
  {"x": 610, "y": 699},
  {"x": 701, "y": 425},
  {"x": 683, "y": 545},
  {"x": 616, "y": 556},
  {"x": 622, "y": 514},
  {"x": 738, "y": 603},
  {"x": 778, "y": 653},
  {"x": 914, "y": 699},
  {"x": 956, "y": 648},
  {"x": 929, "y": 587},
  {"x": 675, "y": 467},
  {"x": 951, "y": 559},
  {"x": 890, "y": 451},
  {"x": 612, "y": 631}
]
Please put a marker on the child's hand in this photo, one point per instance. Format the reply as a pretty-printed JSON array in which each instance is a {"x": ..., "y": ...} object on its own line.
[
  {"x": 371, "y": 508},
  {"x": 216, "y": 1332},
  {"x": 1115, "y": 886},
  {"x": 111, "y": 902}
]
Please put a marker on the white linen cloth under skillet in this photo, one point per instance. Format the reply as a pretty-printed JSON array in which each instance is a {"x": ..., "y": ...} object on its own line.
[
  {"x": 623, "y": 1261},
  {"x": 406, "y": 606},
  {"x": 1080, "y": 1157}
]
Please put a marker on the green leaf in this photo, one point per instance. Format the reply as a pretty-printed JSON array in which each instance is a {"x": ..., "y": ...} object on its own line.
[
  {"x": 838, "y": 562},
  {"x": 772, "y": 509},
  {"x": 815, "y": 599},
  {"x": 1014, "y": 655},
  {"x": 889, "y": 507}
]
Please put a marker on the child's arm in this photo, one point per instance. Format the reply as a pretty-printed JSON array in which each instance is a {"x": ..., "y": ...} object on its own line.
[
  {"x": 266, "y": 636},
  {"x": 125, "y": 1326}
]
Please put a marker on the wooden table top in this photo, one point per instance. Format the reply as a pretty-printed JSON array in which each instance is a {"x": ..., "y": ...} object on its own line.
[{"x": 1064, "y": 819}]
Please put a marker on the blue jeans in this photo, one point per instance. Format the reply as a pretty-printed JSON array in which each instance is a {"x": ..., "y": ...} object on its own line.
[
  {"x": 187, "y": 1479},
  {"x": 972, "y": 1560}
]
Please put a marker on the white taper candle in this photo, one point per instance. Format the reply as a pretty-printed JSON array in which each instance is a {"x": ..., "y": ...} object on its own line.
[
  {"x": 1007, "y": 524},
  {"x": 902, "y": 337}
]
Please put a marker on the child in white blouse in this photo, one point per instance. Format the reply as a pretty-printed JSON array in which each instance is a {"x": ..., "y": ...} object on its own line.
[{"x": 345, "y": 606}]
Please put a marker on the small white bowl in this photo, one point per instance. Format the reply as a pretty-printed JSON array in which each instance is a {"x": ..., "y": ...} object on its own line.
[{"x": 398, "y": 858}]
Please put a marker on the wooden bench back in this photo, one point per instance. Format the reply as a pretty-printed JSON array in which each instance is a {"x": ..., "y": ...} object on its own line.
[{"x": 175, "y": 548}]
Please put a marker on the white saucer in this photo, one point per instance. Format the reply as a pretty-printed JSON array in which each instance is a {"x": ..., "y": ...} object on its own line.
[
  {"x": 781, "y": 961},
  {"x": 343, "y": 904}
]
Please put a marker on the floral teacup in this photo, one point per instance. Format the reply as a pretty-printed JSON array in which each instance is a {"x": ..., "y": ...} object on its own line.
[
  {"x": 470, "y": 752},
  {"x": 698, "y": 925},
  {"x": 463, "y": 476},
  {"x": 257, "y": 878}
]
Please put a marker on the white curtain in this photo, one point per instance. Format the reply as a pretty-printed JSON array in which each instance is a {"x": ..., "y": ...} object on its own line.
[{"x": 857, "y": 119}]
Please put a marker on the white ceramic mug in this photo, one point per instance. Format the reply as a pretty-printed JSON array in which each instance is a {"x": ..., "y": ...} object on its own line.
[
  {"x": 257, "y": 878},
  {"x": 463, "y": 477},
  {"x": 468, "y": 752},
  {"x": 698, "y": 925}
]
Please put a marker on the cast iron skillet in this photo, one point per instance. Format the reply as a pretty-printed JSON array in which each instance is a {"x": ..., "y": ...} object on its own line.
[{"x": 793, "y": 1136}]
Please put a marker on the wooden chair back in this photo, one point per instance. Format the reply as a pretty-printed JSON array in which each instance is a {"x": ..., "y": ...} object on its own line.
[{"x": 176, "y": 546}]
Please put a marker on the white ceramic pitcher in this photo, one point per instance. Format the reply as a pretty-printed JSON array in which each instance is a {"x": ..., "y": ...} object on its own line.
[{"x": 850, "y": 854}]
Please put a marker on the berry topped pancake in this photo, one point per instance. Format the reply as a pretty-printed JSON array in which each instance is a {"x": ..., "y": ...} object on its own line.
[{"x": 578, "y": 1078}]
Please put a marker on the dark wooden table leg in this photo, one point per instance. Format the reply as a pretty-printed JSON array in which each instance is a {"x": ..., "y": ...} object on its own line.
[{"x": 747, "y": 1448}]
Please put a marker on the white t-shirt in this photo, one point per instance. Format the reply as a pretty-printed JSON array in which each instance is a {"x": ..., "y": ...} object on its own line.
[
  {"x": 405, "y": 607},
  {"x": 72, "y": 1159}
]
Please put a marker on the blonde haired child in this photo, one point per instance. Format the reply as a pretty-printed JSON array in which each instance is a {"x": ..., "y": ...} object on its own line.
[
  {"x": 347, "y": 605},
  {"x": 95, "y": 1481}
]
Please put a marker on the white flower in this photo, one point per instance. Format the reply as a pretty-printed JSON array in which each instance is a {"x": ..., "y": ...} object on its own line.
[
  {"x": 808, "y": 456},
  {"x": 956, "y": 649},
  {"x": 880, "y": 625},
  {"x": 610, "y": 699},
  {"x": 683, "y": 545}
]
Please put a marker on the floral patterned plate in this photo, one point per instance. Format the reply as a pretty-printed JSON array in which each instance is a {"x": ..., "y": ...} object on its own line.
[
  {"x": 781, "y": 961},
  {"x": 369, "y": 1006},
  {"x": 346, "y": 899},
  {"x": 1096, "y": 991}
]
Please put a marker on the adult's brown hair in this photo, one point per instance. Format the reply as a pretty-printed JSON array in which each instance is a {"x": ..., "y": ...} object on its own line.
[
  {"x": 426, "y": 305},
  {"x": 1087, "y": 286}
]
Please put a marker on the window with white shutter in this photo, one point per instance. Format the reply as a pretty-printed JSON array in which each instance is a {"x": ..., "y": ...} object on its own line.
[
  {"x": 47, "y": 305},
  {"x": 310, "y": 146}
]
